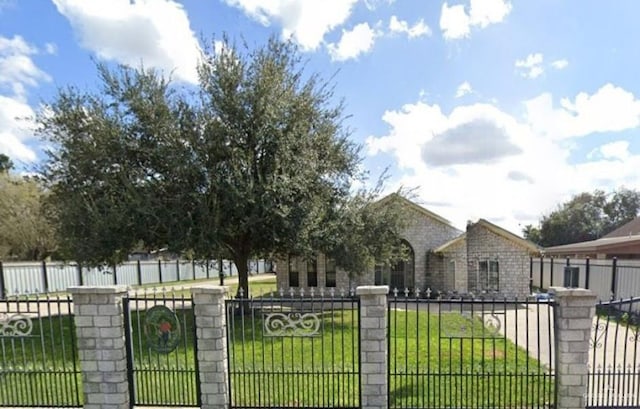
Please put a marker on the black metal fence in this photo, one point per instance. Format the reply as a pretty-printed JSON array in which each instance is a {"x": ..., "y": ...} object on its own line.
[
  {"x": 470, "y": 353},
  {"x": 614, "y": 367},
  {"x": 161, "y": 349},
  {"x": 294, "y": 351},
  {"x": 38, "y": 353}
]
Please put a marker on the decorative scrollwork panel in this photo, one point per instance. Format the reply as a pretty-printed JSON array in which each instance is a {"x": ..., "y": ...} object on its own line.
[
  {"x": 15, "y": 325},
  {"x": 291, "y": 324}
]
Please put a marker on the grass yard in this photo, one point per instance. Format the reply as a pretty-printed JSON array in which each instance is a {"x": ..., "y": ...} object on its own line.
[
  {"x": 454, "y": 360},
  {"x": 431, "y": 363}
]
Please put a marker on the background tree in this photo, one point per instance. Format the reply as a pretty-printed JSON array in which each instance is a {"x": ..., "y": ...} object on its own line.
[
  {"x": 256, "y": 163},
  {"x": 25, "y": 232},
  {"x": 586, "y": 216},
  {"x": 5, "y": 163}
]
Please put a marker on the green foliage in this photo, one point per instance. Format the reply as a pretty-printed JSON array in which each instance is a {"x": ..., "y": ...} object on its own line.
[
  {"x": 256, "y": 163},
  {"x": 6, "y": 164},
  {"x": 587, "y": 216},
  {"x": 25, "y": 230}
]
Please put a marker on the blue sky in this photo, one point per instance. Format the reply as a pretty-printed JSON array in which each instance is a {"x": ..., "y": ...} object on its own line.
[{"x": 492, "y": 109}]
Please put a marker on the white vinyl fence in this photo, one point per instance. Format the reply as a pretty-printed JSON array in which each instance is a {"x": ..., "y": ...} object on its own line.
[
  {"x": 609, "y": 279},
  {"x": 46, "y": 277}
]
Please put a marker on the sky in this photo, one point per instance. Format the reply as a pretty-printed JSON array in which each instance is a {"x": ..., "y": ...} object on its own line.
[{"x": 494, "y": 109}]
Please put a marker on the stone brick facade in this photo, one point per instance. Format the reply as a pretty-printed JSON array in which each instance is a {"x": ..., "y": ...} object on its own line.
[
  {"x": 484, "y": 244},
  {"x": 99, "y": 323},
  {"x": 445, "y": 259}
]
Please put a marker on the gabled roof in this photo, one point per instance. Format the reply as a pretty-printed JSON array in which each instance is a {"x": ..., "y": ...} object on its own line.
[
  {"x": 451, "y": 243},
  {"x": 514, "y": 238},
  {"x": 602, "y": 245},
  {"x": 416, "y": 207},
  {"x": 631, "y": 228}
]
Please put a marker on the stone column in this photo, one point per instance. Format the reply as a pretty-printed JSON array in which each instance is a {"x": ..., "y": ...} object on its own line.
[
  {"x": 574, "y": 312},
  {"x": 373, "y": 346},
  {"x": 211, "y": 327},
  {"x": 99, "y": 325}
]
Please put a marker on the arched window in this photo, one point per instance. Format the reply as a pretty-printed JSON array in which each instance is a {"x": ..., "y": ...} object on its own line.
[{"x": 400, "y": 274}]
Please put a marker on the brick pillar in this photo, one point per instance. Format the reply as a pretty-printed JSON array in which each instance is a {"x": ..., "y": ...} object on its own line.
[
  {"x": 574, "y": 312},
  {"x": 373, "y": 346},
  {"x": 101, "y": 347},
  {"x": 211, "y": 327}
]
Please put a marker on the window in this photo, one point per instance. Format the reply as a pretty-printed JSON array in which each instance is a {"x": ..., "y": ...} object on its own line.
[
  {"x": 312, "y": 272},
  {"x": 451, "y": 267},
  {"x": 330, "y": 272},
  {"x": 294, "y": 274},
  {"x": 488, "y": 274}
]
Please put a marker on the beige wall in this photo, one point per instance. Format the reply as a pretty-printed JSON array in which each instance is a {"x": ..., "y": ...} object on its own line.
[{"x": 484, "y": 244}]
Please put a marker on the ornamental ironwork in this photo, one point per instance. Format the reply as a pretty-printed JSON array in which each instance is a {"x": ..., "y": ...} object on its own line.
[
  {"x": 292, "y": 324},
  {"x": 15, "y": 325},
  {"x": 162, "y": 329}
]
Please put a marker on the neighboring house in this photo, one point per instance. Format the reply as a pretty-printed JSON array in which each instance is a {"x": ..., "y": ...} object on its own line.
[
  {"x": 622, "y": 243},
  {"x": 485, "y": 258}
]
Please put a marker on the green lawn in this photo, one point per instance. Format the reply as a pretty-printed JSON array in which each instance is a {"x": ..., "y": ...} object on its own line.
[{"x": 431, "y": 364}]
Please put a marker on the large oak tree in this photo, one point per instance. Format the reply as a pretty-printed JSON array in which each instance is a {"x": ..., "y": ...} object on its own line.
[{"x": 256, "y": 161}]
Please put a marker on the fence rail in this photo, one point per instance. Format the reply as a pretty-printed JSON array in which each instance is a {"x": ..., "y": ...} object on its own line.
[
  {"x": 39, "y": 363},
  {"x": 608, "y": 279},
  {"x": 470, "y": 353},
  {"x": 19, "y": 278}
]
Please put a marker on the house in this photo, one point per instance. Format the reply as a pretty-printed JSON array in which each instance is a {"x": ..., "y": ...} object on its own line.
[
  {"x": 622, "y": 243},
  {"x": 485, "y": 258}
]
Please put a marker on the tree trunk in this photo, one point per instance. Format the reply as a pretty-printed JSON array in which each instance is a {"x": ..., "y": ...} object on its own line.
[
  {"x": 241, "y": 262},
  {"x": 244, "y": 306}
]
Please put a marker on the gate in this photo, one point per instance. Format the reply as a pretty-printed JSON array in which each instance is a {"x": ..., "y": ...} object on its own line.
[
  {"x": 38, "y": 353},
  {"x": 294, "y": 351},
  {"x": 161, "y": 349},
  {"x": 470, "y": 353},
  {"x": 614, "y": 359}
]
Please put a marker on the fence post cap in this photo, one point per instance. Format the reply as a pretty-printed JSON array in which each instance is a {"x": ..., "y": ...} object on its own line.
[
  {"x": 372, "y": 290},
  {"x": 98, "y": 289},
  {"x": 571, "y": 292}
]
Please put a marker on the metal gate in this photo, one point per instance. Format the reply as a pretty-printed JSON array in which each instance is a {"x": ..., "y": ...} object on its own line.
[
  {"x": 470, "y": 353},
  {"x": 614, "y": 359},
  {"x": 161, "y": 349},
  {"x": 38, "y": 353},
  {"x": 294, "y": 351}
]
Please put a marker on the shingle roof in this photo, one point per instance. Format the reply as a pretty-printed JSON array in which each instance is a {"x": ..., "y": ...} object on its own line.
[{"x": 631, "y": 228}]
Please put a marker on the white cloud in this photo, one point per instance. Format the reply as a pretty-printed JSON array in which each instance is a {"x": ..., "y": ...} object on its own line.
[
  {"x": 463, "y": 89},
  {"x": 456, "y": 22},
  {"x": 153, "y": 32},
  {"x": 353, "y": 43},
  {"x": 17, "y": 72},
  {"x": 531, "y": 67},
  {"x": 17, "y": 69},
  {"x": 307, "y": 21},
  {"x": 618, "y": 150},
  {"x": 402, "y": 27},
  {"x": 479, "y": 161},
  {"x": 374, "y": 4},
  {"x": 51, "y": 48},
  {"x": 16, "y": 129},
  {"x": 609, "y": 109},
  {"x": 560, "y": 64}
]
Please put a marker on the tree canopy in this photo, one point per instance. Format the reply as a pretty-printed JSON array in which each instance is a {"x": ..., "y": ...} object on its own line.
[
  {"x": 256, "y": 162},
  {"x": 25, "y": 231},
  {"x": 6, "y": 164},
  {"x": 586, "y": 216}
]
